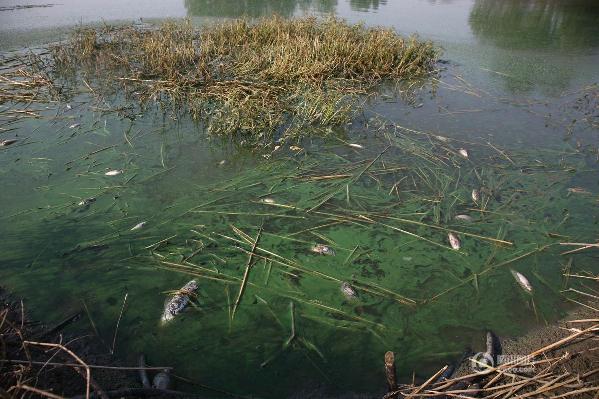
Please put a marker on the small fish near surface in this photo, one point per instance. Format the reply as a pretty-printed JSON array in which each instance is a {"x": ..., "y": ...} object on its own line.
[
  {"x": 7, "y": 142},
  {"x": 138, "y": 226},
  {"x": 522, "y": 281},
  {"x": 179, "y": 301},
  {"x": 323, "y": 250},
  {"x": 114, "y": 172},
  {"x": 348, "y": 291},
  {"x": 463, "y": 153},
  {"x": 463, "y": 218},
  {"x": 86, "y": 201},
  {"x": 358, "y": 146},
  {"x": 267, "y": 201},
  {"x": 454, "y": 241}
]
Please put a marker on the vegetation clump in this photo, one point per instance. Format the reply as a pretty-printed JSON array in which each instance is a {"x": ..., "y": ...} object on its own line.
[{"x": 260, "y": 77}]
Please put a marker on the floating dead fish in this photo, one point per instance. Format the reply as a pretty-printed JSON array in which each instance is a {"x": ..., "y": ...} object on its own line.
[
  {"x": 358, "y": 146},
  {"x": 114, "y": 172},
  {"x": 323, "y": 250},
  {"x": 475, "y": 195},
  {"x": 74, "y": 125},
  {"x": 463, "y": 218},
  {"x": 7, "y": 142},
  {"x": 578, "y": 190},
  {"x": 86, "y": 201},
  {"x": 454, "y": 241},
  {"x": 69, "y": 106},
  {"x": 523, "y": 281},
  {"x": 268, "y": 201},
  {"x": 179, "y": 301},
  {"x": 276, "y": 148},
  {"x": 162, "y": 380},
  {"x": 138, "y": 226},
  {"x": 222, "y": 163},
  {"x": 295, "y": 148},
  {"x": 442, "y": 138},
  {"x": 348, "y": 291},
  {"x": 463, "y": 153}
]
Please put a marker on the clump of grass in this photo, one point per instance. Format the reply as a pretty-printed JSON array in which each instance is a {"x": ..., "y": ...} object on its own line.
[{"x": 254, "y": 78}]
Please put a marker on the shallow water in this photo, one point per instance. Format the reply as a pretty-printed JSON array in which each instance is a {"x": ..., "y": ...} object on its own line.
[{"x": 508, "y": 93}]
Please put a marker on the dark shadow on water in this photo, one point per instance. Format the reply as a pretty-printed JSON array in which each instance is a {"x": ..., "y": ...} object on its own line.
[
  {"x": 366, "y": 5},
  {"x": 256, "y": 8}
]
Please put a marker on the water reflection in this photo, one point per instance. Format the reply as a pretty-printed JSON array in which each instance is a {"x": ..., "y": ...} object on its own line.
[
  {"x": 256, "y": 8},
  {"x": 366, "y": 5},
  {"x": 518, "y": 24}
]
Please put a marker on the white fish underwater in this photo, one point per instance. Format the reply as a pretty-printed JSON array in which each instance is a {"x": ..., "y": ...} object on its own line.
[
  {"x": 463, "y": 153},
  {"x": 114, "y": 172},
  {"x": 454, "y": 241},
  {"x": 358, "y": 146},
  {"x": 86, "y": 201},
  {"x": 138, "y": 226},
  {"x": 267, "y": 201},
  {"x": 178, "y": 302},
  {"x": 74, "y": 125},
  {"x": 523, "y": 281},
  {"x": 475, "y": 195},
  {"x": 323, "y": 250},
  {"x": 348, "y": 291}
]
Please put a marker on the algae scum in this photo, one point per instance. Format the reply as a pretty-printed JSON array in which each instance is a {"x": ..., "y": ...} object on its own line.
[{"x": 242, "y": 216}]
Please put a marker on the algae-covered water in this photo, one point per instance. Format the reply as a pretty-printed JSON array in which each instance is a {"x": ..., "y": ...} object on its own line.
[{"x": 515, "y": 90}]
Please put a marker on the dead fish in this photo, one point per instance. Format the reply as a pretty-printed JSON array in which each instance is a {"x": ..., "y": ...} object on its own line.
[
  {"x": 114, "y": 172},
  {"x": 454, "y": 241},
  {"x": 74, "y": 125},
  {"x": 143, "y": 373},
  {"x": 179, "y": 301},
  {"x": 358, "y": 146},
  {"x": 86, "y": 201},
  {"x": 463, "y": 218},
  {"x": 69, "y": 106},
  {"x": 222, "y": 163},
  {"x": 267, "y": 201},
  {"x": 138, "y": 226},
  {"x": 475, "y": 195},
  {"x": 162, "y": 380},
  {"x": 578, "y": 190},
  {"x": 523, "y": 281},
  {"x": 323, "y": 250},
  {"x": 463, "y": 153},
  {"x": 276, "y": 148},
  {"x": 295, "y": 148},
  {"x": 7, "y": 142},
  {"x": 442, "y": 138},
  {"x": 348, "y": 291}
]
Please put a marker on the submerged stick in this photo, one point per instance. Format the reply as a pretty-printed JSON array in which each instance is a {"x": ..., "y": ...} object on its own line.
[{"x": 246, "y": 274}]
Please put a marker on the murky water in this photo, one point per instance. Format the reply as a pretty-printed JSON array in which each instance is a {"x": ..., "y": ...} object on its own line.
[{"x": 511, "y": 93}]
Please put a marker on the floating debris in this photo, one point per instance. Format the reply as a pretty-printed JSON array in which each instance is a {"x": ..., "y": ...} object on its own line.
[
  {"x": 454, "y": 241},
  {"x": 74, "y": 125},
  {"x": 463, "y": 153},
  {"x": 475, "y": 196},
  {"x": 7, "y": 142},
  {"x": 162, "y": 380},
  {"x": 295, "y": 148},
  {"x": 358, "y": 146},
  {"x": 323, "y": 250},
  {"x": 115, "y": 172},
  {"x": 86, "y": 201},
  {"x": 348, "y": 291},
  {"x": 463, "y": 218},
  {"x": 179, "y": 301},
  {"x": 523, "y": 281},
  {"x": 138, "y": 226},
  {"x": 69, "y": 106}
]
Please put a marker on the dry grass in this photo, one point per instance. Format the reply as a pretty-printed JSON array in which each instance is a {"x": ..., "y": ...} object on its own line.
[{"x": 255, "y": 78}]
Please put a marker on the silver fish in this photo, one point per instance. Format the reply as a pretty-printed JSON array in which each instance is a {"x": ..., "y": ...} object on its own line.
[
  {"x": 162, "y": 380},
  {"x": 267, "y": 201},
  {"x": 179, "y": 301},
  {"x": 454, "y": 241},
  {"x": 442, "y": 138},
  {"x": 358, "y": 146},
  {"x": 86, "y": 201},
  {"x": 348, "y": 291},
  {"x": 463, "y": 218},
  {"x": 7, "y": 142},
  {"x": 323, "y": 250},
  {"x": 114, "y": 172},
  {"x": 475, "y": 195},
  {"x": 74, "y": 125},
  {"x": 463, "y": 153},
  {"x": 138, "y": 226},
  {"x": 523, "y": 281}
]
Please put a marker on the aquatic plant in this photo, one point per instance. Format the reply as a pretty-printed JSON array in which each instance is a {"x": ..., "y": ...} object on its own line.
[{"x": 258, "y": 78}]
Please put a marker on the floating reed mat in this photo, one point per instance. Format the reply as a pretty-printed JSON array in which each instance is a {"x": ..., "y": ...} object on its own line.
[{"x": 255, "y": 77}]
